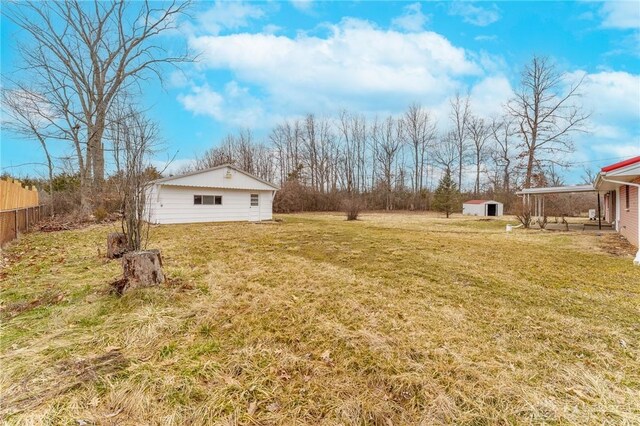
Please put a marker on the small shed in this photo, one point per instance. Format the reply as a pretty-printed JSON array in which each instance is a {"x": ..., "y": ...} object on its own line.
[
  {"x": 482, "y": 208},
  {"x": 219, "y": 194}
]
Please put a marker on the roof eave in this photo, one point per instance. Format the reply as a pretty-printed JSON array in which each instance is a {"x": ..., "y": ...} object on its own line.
[{"x": 197, "y": 172}]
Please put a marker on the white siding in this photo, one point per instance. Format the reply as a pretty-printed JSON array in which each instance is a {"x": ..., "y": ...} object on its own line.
[
  {"x": 473, "y": 209},
  {"x": 225, "y": 177},
  {"x": 481, "y": 209},
  {"x": 174, "y": 204}
]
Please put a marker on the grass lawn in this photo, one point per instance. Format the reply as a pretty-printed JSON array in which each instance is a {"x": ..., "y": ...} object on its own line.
[{"x": 394, "y": 319}]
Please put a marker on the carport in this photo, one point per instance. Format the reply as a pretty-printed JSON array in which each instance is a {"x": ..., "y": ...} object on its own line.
[{"x": 538, "y": 194}]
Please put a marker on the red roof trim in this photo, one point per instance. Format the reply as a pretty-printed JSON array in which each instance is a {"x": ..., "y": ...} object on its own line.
[
  {"x": 621, "y": 164},
  {"x": 475, "y": 201}
]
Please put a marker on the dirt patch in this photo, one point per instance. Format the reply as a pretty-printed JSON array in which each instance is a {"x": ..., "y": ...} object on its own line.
[
  {"x": 14, "y": 309},
  {"x": 54, "y": 224},
  {"x": 617, "y": 245},
  {"x": 118, "y": 286}
]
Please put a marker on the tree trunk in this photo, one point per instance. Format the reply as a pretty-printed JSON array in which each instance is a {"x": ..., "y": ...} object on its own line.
[
  {"x": 142, "y": 269},
  {"x": 116, "y": 245}
]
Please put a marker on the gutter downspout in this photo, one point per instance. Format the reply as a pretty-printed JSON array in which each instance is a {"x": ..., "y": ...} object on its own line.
[{"x": 636, "y": 261}]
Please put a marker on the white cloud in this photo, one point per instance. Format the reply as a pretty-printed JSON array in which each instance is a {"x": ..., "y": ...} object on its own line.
[
  {"x": 203, "y": 101},
  {"x": 475, "y": 15},
  {"x": 412, "y": 19},
  {"x": 357, "y": 65},
  {"x": 302, "y": 5},
  {"x": 613, "y": 98},
  {"x": 228, "y": 15},
  {"x": 234, "y": 105},
  {"x": 489, "y": 96},
  {"x": 271, "y": 29},
  {"x": 618, "y": 150},
  {"x": 486, "y": 38},
  {"x": 178, "y": 79},
  {"x": 621, "y": 14}
]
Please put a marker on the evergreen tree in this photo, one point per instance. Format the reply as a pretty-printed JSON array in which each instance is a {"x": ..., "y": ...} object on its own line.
[{"x": 447, "y": 195}]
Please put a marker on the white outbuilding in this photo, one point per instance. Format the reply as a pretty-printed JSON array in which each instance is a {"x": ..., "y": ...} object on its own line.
[
  {"x": 219, "y": 194},
  {"x": 482, "y": 208}
]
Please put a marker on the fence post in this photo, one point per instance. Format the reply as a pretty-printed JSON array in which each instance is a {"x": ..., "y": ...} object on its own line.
[{"x": 15, "y": 216}]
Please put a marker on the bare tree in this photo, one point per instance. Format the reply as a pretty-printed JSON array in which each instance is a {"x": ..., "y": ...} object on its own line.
[
  {"x": 28, "y": 116},
  {"x": 242, "y": 151},
  {"x": 479, "y": 133},
  {"x": 445, "y": 155},
  {"x": 84, "y": 54},
  {"x": 589, "y": 176},
  {"x": 459, "y": 116},
  {"x": 546, "y": 115},
  {"x": 386, "y": 134},
  {"x": 352, "y": 130},
  {"x": 138, "y": 138},
  {"x": 502, "y": 131},
  {"x": 419, "y": 132}
]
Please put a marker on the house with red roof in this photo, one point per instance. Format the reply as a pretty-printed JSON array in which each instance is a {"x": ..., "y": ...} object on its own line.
[{"x": 620, "y": 184}]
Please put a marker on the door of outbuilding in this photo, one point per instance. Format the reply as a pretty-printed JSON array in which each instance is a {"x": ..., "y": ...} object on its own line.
[
  {"x": 254, "y": 208},
  {"x": 492, "y": 209}
]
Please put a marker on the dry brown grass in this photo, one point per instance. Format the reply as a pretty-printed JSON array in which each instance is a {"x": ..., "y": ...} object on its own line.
[{"x": 391, "y": 319}]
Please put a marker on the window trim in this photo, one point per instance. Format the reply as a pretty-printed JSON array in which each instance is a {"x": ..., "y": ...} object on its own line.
[{"x": 216, "y": 200}]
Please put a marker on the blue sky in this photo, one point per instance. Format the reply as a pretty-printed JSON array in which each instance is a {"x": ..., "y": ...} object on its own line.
[{"x": 262, "y": 62}]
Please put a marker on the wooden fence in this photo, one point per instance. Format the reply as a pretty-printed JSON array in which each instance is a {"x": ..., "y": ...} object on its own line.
[
  {"x": 19, "y": 209},
  {"x": 14, "y": 196},
  {"x": 14, "y": 222}
]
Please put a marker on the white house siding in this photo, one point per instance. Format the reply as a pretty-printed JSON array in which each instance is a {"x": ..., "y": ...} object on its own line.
[{"x": 174, "y": 204}]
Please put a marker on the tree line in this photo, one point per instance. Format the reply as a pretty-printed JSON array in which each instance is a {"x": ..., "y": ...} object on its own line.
[
  {"x": 395, "y": 162},
  {"x": 84, "y": 63}
]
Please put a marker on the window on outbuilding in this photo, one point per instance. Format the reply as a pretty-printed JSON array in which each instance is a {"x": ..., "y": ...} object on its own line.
[
  {"x": 255, "y": 200},
  {"x": 208, "y": 200}
]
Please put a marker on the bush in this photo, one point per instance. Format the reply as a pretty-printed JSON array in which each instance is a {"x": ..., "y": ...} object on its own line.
[
  {"x": 100, "y": 214},
  {"x": 524, "y": 216},
  {"x": 352, "y": 207}
]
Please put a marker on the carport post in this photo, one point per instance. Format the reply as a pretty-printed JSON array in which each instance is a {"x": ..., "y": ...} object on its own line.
[{"x": 599, "y": 216}]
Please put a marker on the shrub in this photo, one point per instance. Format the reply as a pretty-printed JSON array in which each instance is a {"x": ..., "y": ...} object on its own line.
[
  {"x": 524, "y": 216},
  {"x": 100, "y": 214},
  {"x": 352, "y": 207}
]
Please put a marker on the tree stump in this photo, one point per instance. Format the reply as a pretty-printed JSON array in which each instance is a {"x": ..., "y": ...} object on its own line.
[
  {"x": 142, "y": 269},
  {"x": 116, "y": 245}
]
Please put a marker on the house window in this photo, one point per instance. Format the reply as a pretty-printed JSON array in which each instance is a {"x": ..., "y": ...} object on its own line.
[
  {"x": 209, "y": 200},
  {"x": 626, "y": 196},
  {"x": 255, "y": 200}
]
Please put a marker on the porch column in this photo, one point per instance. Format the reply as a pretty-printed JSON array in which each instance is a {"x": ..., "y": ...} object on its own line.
[{"x": 599, "y": 214}]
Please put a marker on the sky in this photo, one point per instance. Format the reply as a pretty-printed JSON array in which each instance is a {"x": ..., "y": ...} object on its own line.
[{"x": 263, "y": 62}]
